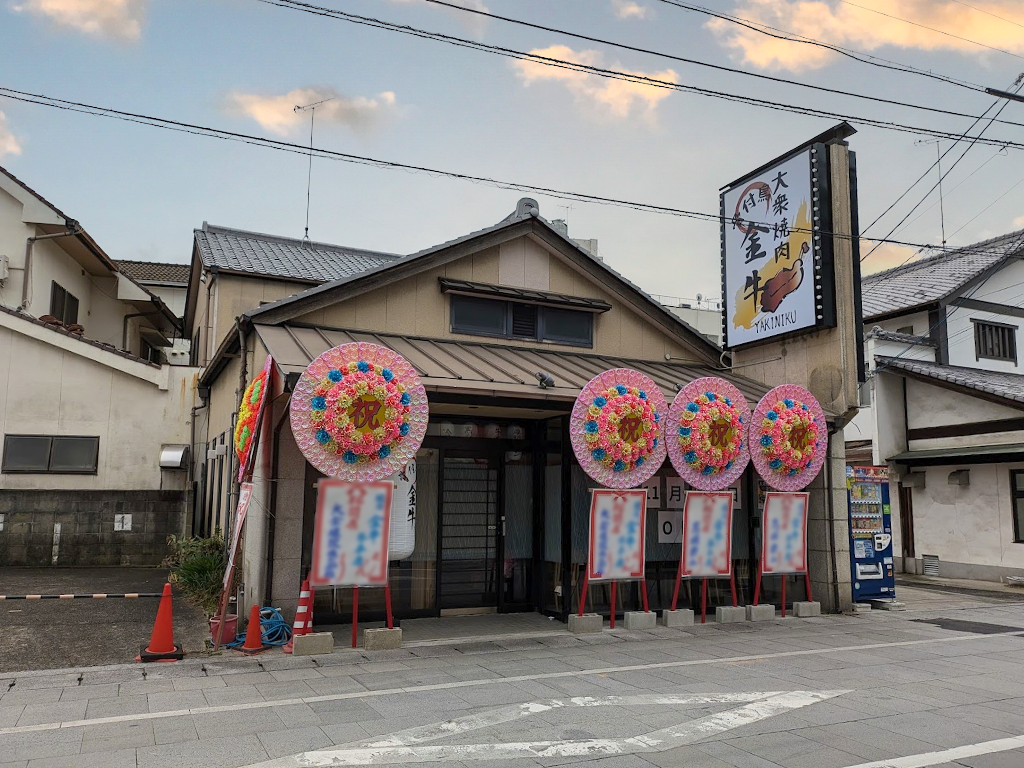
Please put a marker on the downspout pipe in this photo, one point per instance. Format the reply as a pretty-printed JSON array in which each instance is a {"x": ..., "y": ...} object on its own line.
[
  {"x": 124, "y": 328},
  {"x": 72, "y": 229}
]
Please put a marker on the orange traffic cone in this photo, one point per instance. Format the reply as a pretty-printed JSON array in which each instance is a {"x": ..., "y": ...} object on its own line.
[
  {"x": 161, "y": 643},
  {"x": 303, "y": 623},
  {"x": 253, "y": 632}
]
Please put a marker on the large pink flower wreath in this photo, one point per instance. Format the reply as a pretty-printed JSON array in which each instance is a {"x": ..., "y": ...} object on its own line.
[
  {"x": 359, "y": 412},
  {"x": 789, "y": 438},
  {"x": 616, "y": 428},
  {"x": 707, "y": 433}
]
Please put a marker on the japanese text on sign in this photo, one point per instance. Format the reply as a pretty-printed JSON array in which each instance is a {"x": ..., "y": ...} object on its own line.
[
  {"x": 784, "y": 543},
  {"x": 707, "y": 534},
  {"x": 769, "y": 267},
  {"x": 350, "y": 539},
  {"x": 617, "y": 535}
]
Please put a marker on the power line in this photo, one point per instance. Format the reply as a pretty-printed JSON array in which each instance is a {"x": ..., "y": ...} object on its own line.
[
  {"x": 304, "y": 150},
  {"x": 989, "y": 13},
  {"x": 695, "y": 62},
  {"x": 989, "y": 205},
  {"x": 794, "y": 37},
  {"x": 639, "y": 79},
  {"x": 932, "y": 29}
]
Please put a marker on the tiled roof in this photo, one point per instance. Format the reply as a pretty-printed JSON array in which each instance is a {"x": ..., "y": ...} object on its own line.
[
  {"x": 901, "y": 338},
  {"x": 1008, "y": 386},
  {"x": 254, "y": 253},
  {"x": 933, "y": 278},
  {"x": 155, "y": 271}
]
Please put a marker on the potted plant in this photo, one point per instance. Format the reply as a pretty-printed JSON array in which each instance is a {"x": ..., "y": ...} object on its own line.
[{"x": 197, "y": 567}]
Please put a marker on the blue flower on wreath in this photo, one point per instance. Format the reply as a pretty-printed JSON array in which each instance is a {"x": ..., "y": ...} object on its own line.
[
  {"x": 657, "y": 417},
  {"x": 384, "y": 452},
  {"x": 708, "y": 470},
  {"x": 771, "y": 416},
  {"x": 793, "y": 472},
  {"x": 323, "y": 436},
  {"x": 590, "y": 427},
  {"x": 684, "y": 431},
  {"x": 729, "y": 465},
  {"x": 318, "y": 403},
  {"x": 804, "y": 406},
  {"x": 404, "y": 429},
  {"x": 387, "y": 374},
  {"x": 619, "y": 465},
  {"x": 641, "y": 394},
  {"x": 654, "y": 444},
  {"x": 406, "y": 399},
  {"x": 334, "y": 375},
  {"x": 788, "y": 403},
  {"x": 766, "y": 441},
  {"x": 621, "y": 389},
  {"x": 639, "y": 461},
  {"x": 775, "y": 463},
  {"x": 600, "y": 402},
  {"x": 598, "y": 454},
  {"x": 692, "y": 407},
  {"x": 711, "y": 396},
  {"x": 349, "y": 457},
  {"x": 728, "y": 402},
  {"x": 690, "y": 457},
  {"x": 363, "y": 366}
]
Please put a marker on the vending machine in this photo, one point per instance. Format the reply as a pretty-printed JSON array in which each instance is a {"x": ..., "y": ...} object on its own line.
[{"x": 867, "y": 489}]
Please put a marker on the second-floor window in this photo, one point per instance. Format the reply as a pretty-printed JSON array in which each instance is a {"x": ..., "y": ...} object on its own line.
[
  {"x": 517, "y": 320},
  {"x": 63, "y": 305},
  {"x": 995, "y": 341}
]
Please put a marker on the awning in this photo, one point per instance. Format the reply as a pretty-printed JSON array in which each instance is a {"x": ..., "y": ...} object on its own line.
[
  {"x": 491, "y": 369},
  {"x": 982, "y": 454}
]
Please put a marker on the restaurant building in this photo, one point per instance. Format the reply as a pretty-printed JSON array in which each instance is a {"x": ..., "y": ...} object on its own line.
[{"x": 505, "y": 326}]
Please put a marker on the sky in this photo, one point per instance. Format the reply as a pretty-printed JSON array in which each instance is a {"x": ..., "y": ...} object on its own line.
[{"x": 242, "y": 65}]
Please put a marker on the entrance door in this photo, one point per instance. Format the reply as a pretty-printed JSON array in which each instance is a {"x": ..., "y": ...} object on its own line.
[
  {"x": 469, "y": 537},
  {"x": 907, "y": 522}
]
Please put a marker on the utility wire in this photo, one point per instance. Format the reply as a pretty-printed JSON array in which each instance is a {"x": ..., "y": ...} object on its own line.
[
  {"x": 640, "y": 79},
  {"x": 989, "y": 205},
  {"x": 304, "y": 150},
  {"x": 989, "y": 13},
  {"x": 794, "y": 37},
  {"x": 695, "y": 62}
]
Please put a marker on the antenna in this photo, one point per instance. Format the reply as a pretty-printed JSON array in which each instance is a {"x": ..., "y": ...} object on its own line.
[
  {"x": 938, "y": 163},
  {"x": 309, "y": 174},
  {"x": 567, "y": 209}
]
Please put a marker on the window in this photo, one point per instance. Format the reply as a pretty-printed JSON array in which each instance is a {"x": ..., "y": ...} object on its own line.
[
  {"x": 63, "y": 305},
  {"x": 1017, "y": 501},
  {"x": 517, "y": 320},
  {"x": 995, "y": 341},
  {"x": 149, "y": 352},
  {"x": 43, "y": 454},
  {"x": 193, "y": 350},
  {"x": 907, "y": 329}
]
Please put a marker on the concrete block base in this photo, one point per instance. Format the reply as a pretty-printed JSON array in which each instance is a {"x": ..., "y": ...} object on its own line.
[
  {"x": 861, "y": 607},
  {"x": 586, "y": 624},
  {"x": 806, "y": 610},
  {"x": 383, "y": 639},
  {"x": 729, "y": 614},
  {"x": 313, "y": 644},
  {"x": 760, "y": 612},
  {"x": 888, "y": 605},
  {"x": 641, "y": 619},
  {"x": 682, "y": 618}
]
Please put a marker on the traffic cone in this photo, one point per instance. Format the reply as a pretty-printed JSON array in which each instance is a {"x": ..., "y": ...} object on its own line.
[
  {"x": 161, "y": 643},
  {"x": 253, "y": 633},
  {"x": 303, "y": 616}
]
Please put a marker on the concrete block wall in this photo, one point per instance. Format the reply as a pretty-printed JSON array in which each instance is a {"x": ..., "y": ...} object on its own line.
[{"x": 87, "y": 535}]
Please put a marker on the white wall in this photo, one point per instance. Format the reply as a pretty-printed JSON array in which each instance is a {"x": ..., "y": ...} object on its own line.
[
  {"x": 1004, "y": 287},
  {"x": 706, "y": 321},
  {"x": 13, "y": 232}
]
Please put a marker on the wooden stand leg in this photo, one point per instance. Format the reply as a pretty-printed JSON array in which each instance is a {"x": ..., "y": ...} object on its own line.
[
  {"x": 757, "y": 584},
  {"x": 583, "y": 590},
  {"x": 679, "y": 578},
  {"x": 387, "y": 605},
  {"x": 807, "y": 586},
  {"x": 783, "y": 596},
  {"x": 355, "y": 616},
  {"x": 732, "y": 583},
  {"x": 703, "y": 601},
  {"x": 643, "y": 594},
  {"x": 614, "y": 601}
]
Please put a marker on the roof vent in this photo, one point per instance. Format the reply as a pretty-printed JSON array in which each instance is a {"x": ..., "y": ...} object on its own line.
[{"x": 527, "y": 207}]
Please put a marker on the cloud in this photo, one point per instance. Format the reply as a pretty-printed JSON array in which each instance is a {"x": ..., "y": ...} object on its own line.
[
  {"x": 617, "y": 97},
  {"x": 847, "y": 25},
  {"x": 627, "y": 9},
  {"x": 886, "y": 257},
  {"x": 102, "y": 18},
  {"x": 1018, "y": 223},
  {"x": 8, "y": 144},
  {"x": 277, "y": 113}
]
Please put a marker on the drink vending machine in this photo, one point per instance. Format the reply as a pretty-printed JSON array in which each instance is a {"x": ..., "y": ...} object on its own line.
[{"x": 867, "y": 489}]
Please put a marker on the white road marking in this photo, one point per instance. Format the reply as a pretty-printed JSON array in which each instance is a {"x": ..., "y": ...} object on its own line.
[
  {"x": 496, "y": 680},
  {"x": 400, "y": 747},
  {"x": 926, "y": 759}
]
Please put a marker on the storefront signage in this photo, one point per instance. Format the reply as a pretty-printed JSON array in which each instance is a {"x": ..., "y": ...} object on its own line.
[
  {"x": 772, "y": 250},
  {"x": 617, "y": 535},
  {"x": 707, "y": 534},
  {"x": 670, "y": 526},
  {"x": 784, "y": 537},
  {"x": 675, "y": 491},
  {"x": 351, "y": 533}
]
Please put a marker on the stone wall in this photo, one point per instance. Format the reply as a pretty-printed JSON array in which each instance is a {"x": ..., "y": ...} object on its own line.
[{"x": 87, "y": 520}]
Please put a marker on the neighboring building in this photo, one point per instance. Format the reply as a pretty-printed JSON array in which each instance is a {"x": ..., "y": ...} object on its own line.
[
  {"x": 505, "y": 326},
  {"x": 169, "y": 283},
  {"x": 95, "y": 422},
  {"x": 704, "y": 315},
  {"x": 946, "y": 412}
]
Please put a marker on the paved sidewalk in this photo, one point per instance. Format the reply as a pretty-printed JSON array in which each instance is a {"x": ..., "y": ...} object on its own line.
[{"x": 821, "y": 693}]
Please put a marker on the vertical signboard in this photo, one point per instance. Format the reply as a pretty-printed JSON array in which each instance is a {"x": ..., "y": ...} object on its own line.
[
  {"x": 350, "y": 536},
  {"x": 707, "y": 535},
  {"x": 774, "y": 265},
  {"x": 617, "y": 535},
  {"x": 784, "y": 544}
]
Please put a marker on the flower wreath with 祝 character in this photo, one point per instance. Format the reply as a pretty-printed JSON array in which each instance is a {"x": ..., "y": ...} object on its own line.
[
  {"x": 252, "y": 399},
  {"x": 710, "y": 433},
  {"x": 360, "y": 412},
  {"x": 789, "y": 437},
  {"x": 621, "y": 430}
]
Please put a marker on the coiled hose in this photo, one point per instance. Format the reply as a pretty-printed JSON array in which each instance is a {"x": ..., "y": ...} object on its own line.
[{"x": 274, "y": 630}]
